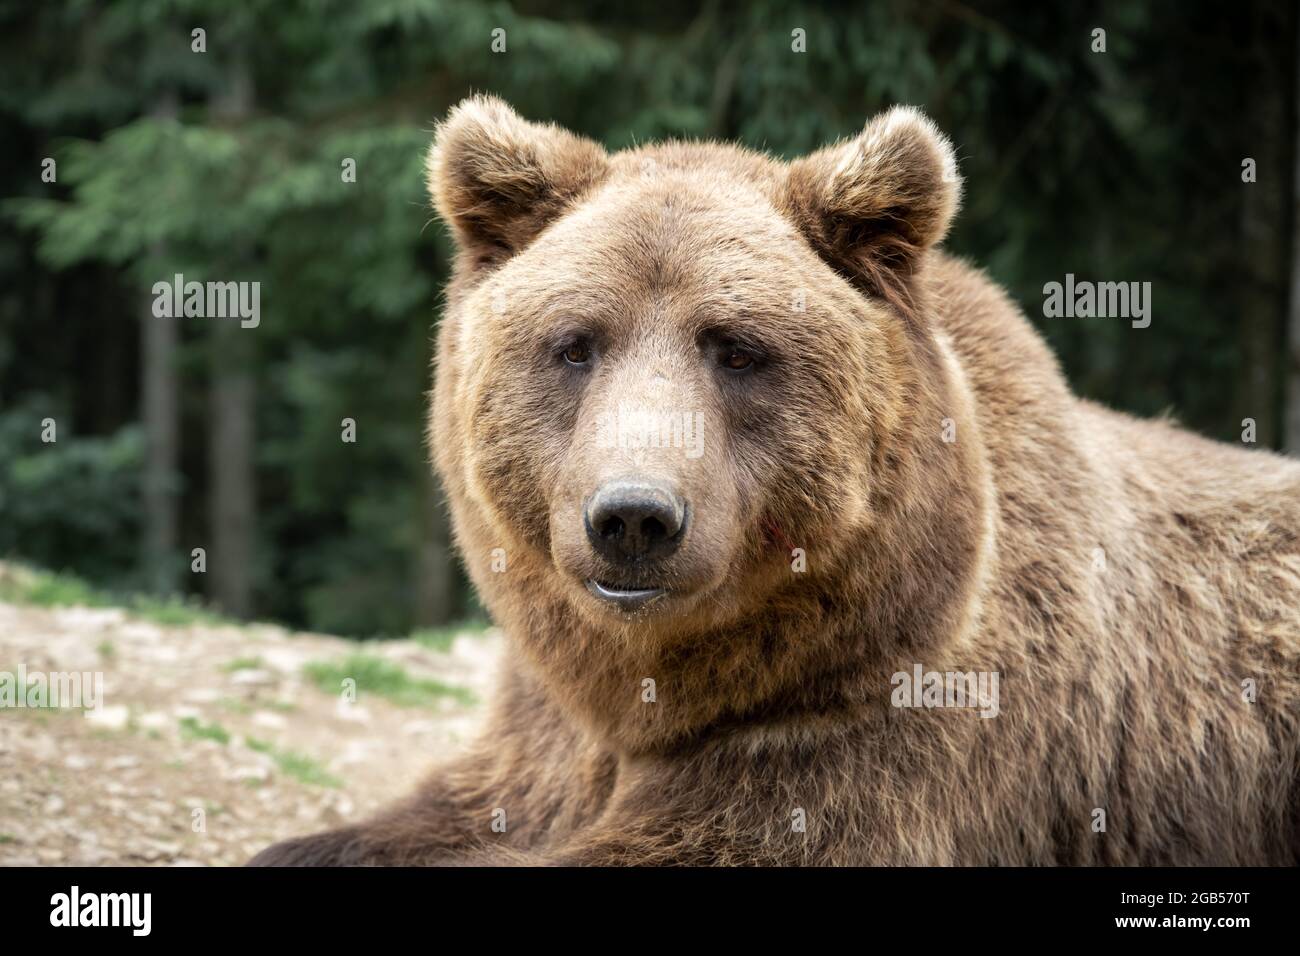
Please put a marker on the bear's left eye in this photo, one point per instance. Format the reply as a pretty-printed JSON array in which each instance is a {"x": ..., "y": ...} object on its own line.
[
  {"x": 732, "y": 354},
  {"x": 736, "y": 359}
]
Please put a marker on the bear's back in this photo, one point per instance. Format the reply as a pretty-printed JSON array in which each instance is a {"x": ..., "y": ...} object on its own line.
[{"x": 1172, "y": 539}]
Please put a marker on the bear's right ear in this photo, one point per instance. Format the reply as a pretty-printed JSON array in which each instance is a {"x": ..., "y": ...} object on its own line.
[
  {"x": 498, "y": 179},
  {"x": 872, "y": 205}
]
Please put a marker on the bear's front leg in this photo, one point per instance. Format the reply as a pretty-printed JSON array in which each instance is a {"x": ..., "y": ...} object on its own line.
[
  {"x": 529, "y": 779},
  {"x": 343, "y": 847},
  {"x": 440, "y": 820}
]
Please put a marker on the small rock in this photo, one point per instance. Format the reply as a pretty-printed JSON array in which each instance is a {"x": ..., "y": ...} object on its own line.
[
  {"x": 159, "y": 653},
  {"x": 88, "y": 619},
  {"x": 286, "y": 660},
  {"x": 252, "y": 678},
  {"x": 202, "y": 695},
  {"x": 152, "y": 850},
  {"x": 270, "y": 720},
  {"x": 249, "y": 773},
  {"x": 154, "y": 720},
  {"x": 110, "y": 718}
]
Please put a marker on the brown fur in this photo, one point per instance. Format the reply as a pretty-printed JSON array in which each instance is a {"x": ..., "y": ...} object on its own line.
[{"x": 1121, "y": 684}]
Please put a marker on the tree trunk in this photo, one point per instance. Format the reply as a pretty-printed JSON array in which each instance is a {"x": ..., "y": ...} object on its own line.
[
  {"x": 231, "y": 407},
  {"x": 160, "y": 413},
  {"x": 230, "y": 460},
  {"x": 1264, "y": 231},
  {"x": 1293, "y": 335},
  {"x": 435, "y": 585}
]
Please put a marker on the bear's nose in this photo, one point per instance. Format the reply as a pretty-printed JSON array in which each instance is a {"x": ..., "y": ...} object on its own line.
[{"x": 638, "y": 520}]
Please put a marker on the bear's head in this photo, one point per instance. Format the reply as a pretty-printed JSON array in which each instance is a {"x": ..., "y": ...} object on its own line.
[{"x": 677, "y": 381}]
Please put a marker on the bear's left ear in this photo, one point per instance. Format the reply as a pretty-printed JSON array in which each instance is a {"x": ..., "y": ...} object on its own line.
[
  {"x": 873, "y": 204},
  {"x": 498, "y": 179}
]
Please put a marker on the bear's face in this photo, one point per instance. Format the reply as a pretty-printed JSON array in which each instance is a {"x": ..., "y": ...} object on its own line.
[{"x": 677, "y": 369}]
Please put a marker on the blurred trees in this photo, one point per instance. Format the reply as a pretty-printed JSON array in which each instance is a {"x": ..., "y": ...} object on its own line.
[{"x": 228, "y": 164}]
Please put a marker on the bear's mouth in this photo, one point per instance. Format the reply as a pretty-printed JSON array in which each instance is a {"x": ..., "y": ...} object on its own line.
[{"x": 626, "y": 597}]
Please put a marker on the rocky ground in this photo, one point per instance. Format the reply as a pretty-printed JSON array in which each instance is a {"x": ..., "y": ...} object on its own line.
[{"x": 213, "y": 741}]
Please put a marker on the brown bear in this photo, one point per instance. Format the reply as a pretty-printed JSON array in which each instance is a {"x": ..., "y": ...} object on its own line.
[{"x": 805, "y": 552}]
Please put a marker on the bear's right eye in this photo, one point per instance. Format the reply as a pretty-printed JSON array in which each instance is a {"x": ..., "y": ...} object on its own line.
[{"x": 578, "y": 353}]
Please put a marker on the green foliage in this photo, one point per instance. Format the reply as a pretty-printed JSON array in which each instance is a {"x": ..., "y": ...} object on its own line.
[
  {"x": 194, "y": 729},
  {"x": 20, "y": 584},
  {"x": 174, "y": 611},
  {"x": 441, "y": 638},
  {"x": 375, "y": 675},
  {"x": 74, "y": 502},
  {"x": 294, "y": 764},
  {"x": 50, "y": 590},
  {"x": 1119, "y": 166}
]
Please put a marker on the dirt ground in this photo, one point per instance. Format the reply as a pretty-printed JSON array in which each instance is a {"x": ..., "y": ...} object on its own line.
[{"x": 210, "y": 743}]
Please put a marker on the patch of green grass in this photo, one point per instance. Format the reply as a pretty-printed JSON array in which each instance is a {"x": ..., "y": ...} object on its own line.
[
  {"x": 193, "y": 729},
  {"x": 21, "y": 584},
  {"x": 106, "y": 650},
  {"x": 7, "y": 838},
  {"x": 375, "y": 675},
  {"x": 295, "y": 764},
  {"x": 440, "y": 639},
  {"x": 304, "y": 768},
  {"x": 174, "y": 611},
  {"x": 244, "y": 664}
]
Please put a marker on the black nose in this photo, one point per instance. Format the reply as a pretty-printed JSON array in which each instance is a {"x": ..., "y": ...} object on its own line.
[{"x": 631, "y": 521}]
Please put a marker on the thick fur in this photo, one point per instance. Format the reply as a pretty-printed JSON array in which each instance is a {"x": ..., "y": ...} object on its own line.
[{"x": 1122, "y": 577}]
